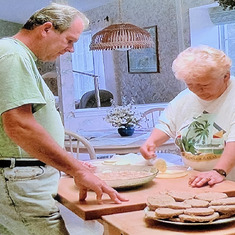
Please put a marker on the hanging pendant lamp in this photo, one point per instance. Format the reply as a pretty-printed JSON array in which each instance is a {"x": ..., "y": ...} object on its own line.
[{"x": 122, "y": 36}]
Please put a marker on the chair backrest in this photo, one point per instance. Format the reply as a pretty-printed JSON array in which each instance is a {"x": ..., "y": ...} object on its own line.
[
  {"x": 72, "y": 144},
  {"x": 151, "y": 116}
]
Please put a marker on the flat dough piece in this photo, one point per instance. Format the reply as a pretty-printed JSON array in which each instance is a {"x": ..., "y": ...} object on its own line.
[
  {"x": 160, "y": 165},
  {"x": 210, "y": 196},
  {"x": 180, "y": 196},
  {"x": 159, "y": 200},
  {"x": 199, "y": 211},
  {"x": 172, "y": 174},
  {"x": 166, "y": 213},
  {"x": 223, "y": 201},
  {"x": 150, "y": 215},
  {"x": 197, "y": 202},
  {"x": 200, "y": 219},
  {"x": 178, "y": 205},
  {"x": 224, "y": 209}
]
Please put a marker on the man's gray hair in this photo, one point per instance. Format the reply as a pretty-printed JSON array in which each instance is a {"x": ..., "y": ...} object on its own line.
[{"x": 61, "y": 16}]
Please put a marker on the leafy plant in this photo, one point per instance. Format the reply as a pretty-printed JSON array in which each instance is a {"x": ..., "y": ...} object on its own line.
[{"x": 226, "y": 4}]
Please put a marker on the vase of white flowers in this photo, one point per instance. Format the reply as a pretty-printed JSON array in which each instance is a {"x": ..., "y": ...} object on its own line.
[{"x": 124, "y": 117}]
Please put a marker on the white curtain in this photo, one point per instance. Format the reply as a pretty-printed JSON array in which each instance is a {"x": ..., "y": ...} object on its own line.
[
  {"x": 91, "y": 62},
  {"x": 82, "y": 61}
]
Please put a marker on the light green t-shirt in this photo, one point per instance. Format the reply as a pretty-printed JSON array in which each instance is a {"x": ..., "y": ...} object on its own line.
[{"x": 20, "y": 84}]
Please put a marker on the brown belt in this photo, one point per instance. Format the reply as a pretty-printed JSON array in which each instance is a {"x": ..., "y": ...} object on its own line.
[{"x": 12, "y": 162}]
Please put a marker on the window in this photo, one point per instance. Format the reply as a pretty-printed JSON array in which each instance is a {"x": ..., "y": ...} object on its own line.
[
  {"x": 204, "y": 31},
  {"x": 227, "y": 42},
  {"x": 86, "y": 61}
]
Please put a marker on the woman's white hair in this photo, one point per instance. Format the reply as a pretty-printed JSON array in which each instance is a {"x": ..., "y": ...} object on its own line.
[{"x": 199, "y": 61}]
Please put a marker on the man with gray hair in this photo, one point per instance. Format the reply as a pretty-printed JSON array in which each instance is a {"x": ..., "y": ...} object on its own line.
[{"x": 31, "y": 131}]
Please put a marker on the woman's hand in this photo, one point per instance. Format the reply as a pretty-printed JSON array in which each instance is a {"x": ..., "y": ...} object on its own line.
[
  {"x": 148, "y": 150},
  {"x": 156, "y": 139},
  {"x": 204, "y": 178}
]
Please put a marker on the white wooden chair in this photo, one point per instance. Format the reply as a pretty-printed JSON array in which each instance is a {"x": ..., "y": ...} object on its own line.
[
  {"x": 151, "y": 116},
  {"x": 72, "y": 142}
]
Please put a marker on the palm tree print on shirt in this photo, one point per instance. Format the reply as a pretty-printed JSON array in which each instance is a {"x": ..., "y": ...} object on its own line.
[{"x": 201, "y": 135}]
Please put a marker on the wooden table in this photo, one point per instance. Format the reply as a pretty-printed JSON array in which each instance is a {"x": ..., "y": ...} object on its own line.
[
  {"x": 89, "y": 209},
  {"x": 133, "y": 223}
]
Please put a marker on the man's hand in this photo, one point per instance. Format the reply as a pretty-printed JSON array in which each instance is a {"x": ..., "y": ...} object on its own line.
[
  {"x": 88, "y": 165},
  {"x": 90, "y": 181},
  {"x": 204, "y": 178}
]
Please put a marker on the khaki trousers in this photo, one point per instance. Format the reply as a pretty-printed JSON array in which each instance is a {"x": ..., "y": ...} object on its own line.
[{"x": 27, "y": 205}]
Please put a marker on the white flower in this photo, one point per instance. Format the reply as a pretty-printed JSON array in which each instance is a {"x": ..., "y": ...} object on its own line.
[{"x": 122, "y": 116}]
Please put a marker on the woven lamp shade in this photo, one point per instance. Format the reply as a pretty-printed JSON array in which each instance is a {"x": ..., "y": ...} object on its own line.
[{"x": 121, "y": 37}]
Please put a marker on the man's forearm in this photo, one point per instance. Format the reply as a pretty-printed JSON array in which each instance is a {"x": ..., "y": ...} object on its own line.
[{"x": 27, "y": 133}]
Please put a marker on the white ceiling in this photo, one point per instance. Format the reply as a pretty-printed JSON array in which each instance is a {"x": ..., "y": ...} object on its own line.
[{"x": 20, "y": 10}]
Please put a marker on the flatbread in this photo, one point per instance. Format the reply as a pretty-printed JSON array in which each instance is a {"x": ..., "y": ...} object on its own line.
[
  {"x": 150, "y": 215},
  {"x": 210, "y": 196},
  {"x": 224, "y": 209},
  {"x": 166, "y": 213},
  {"x": 200, "y": 219},
  {"x": 180, "y": 196},
  {"x": 203, "y": 207},
  {"x": 159, "y": 200},
  {"x": 197, "y": 202},
  {"x": 199, "y": 211},
  {"x": 223, "y": 201},
  {"x": 178, "y": 205}
]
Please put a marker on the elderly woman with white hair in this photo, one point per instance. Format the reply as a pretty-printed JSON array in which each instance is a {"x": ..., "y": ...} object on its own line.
[{"x": 202, "y": 117}]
